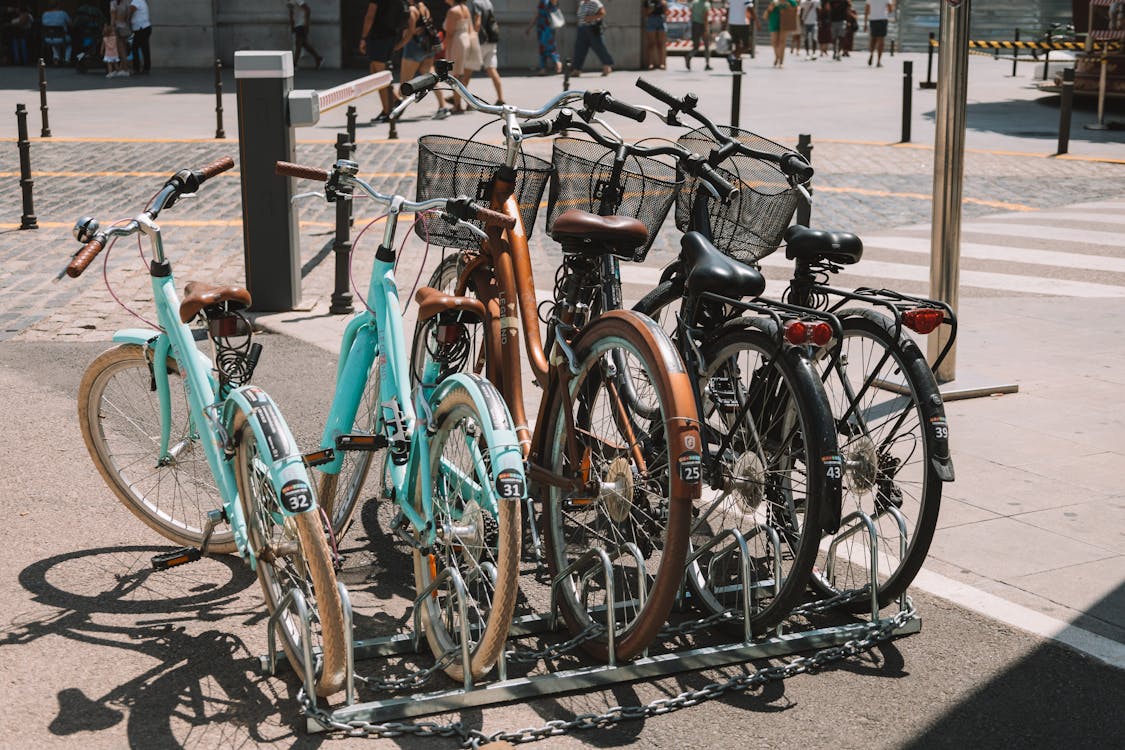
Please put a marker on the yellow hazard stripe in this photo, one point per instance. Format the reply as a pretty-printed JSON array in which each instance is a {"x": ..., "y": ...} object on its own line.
[{"x": 1012, "y": 44}]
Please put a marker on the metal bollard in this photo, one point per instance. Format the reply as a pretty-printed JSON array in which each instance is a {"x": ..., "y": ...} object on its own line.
[
  {"x": 1065, "y": 104},
  {"x": 351, "y": 125},
  {"x": 804, "y": 148},
  {"x": 1047, "y": 55},
  {"x": 929, "y": 83},
  {"x": 566, "y": 74},
  {"x": 219, "y": 132},
  {"x": 341, "y": 303},
  {"x": 1016, "y": 54},
  {"x": 892, "y": 48},
  {"x": 907, "y": 93},
  {"x": 27, "y": 220},
  {"x": 735, "y": 89},
  {"x": 45, "y": 132}
]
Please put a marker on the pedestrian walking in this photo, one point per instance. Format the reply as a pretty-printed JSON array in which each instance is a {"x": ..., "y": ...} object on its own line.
[
  {"x": 19, "y": 24},
  {"x": 838, "y": 16},
  {"x": 779, "y": 29},
  {"x": 809, "y": 13},
  {"x": 851, "y": 26},
  {"x": 545, "y": 24},
  {"x": 55, "y": 28},
  {"x": 422, "y": 43},
  {"x": 655, "y": 49},
  {"x": 824, "y": 27},
  {"x": 700, "y": 32},
  {"x": 741, "y": 19},
  {"x": 110, "y": 56},
  {"x": 383, "y": 26},
  {"x": 876, "y": 14},
  {"x": 591, "y": 19},
  {"x": 300, "y": 16},
  {"x": 140, "y": 23},
  {"x": 461, "y": 46},
  {"x": 119, "y": 15},
  {"x": 489, "y": 39}
]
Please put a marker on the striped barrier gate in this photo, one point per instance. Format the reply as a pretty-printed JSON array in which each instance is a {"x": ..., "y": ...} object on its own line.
[{"x": 716, "y": 18}]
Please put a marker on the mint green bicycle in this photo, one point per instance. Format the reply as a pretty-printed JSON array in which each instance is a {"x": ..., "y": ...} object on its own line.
[
  {"x": 186, "y": 445},
  {"x": 452, "y": 457}
]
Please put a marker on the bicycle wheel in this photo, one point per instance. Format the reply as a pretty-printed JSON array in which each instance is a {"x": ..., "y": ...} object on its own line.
[
  {"x": 767, "y": 423},
  {"x": 482, "y": 545},
  {"x": 635, "y": 499},
  {"x": 120, "y": 417},
  {"x": 459, "y": 350},
  {"x": 339, "y": 493},
  {"x": 291, "y": 553},
  {"x": 889, "y": 441}
]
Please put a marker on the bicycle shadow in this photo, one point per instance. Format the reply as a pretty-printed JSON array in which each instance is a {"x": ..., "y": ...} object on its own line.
[{"x": 201, "y": 688}]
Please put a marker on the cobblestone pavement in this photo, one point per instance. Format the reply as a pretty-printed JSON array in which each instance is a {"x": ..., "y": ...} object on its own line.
[{"x": 860, "y": 187}]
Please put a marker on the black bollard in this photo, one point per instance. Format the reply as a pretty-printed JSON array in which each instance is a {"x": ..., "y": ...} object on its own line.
[
  {"x": 735, "y": 89},
  {"x": 1016, "y": 54},
  {"x": 341, "y": 303},
  {"x": 804, "y": 209},
  {"x": 892, "y": 48},
  {"x": 27, "y": 221},
  {"x": 351, "y": 125},
  {"x": 929, "y": 83},
  {"x": 45, "y": 132},
  {"x": 219, "y": 132},
  {"x": 1065, "y": 104},
  {"x": 907, "y": 92},
  {"x": 1047, "y": 57},
  {"x": 566, "y": 74}
]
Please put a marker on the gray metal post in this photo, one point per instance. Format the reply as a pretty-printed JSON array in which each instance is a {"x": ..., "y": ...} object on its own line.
[
  {"x": 929, "y": 83},
  {"x": 1066, "y": 103},
  {"x": 45, "y": 131},
  {"x": 219, "y": 132},
  {"x": 907, "y": 94},
  {"x": 269, "y": 223},
  {"x": 27, "y": 220},
  {"x": 949, "y": 168},
  {"x": 804, "y": 148},
  {"x": 735, "y": 90}
]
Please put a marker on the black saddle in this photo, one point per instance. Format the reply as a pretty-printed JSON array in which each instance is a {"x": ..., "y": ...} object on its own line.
[
  {"x": 813, "y": 245},
  {"x": 708, "y": 270}
]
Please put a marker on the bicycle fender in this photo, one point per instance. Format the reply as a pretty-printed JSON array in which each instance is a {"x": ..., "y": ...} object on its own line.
[
  {"x": 507, "y": 457},
  {"x": 287, "y": 470},
  {"x": 139, "y": 336},
  {"x": 823, "y": 431},
  {"x": 933, "y": 409}
]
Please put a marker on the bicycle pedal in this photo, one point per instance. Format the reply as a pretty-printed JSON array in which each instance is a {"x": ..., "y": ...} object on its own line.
[
  {"x": 361, "y": 442},
  {"x": 319, "y": 458},
  {"x": 175, "y": 558}
]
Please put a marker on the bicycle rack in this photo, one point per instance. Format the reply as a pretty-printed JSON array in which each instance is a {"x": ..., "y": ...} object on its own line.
[{"x": 502, "y": 688}]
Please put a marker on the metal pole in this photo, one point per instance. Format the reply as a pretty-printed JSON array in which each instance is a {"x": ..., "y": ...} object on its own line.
[
  {"x": 1016, "y": 54},
  {"x": 735, "y": 90},
  {"x": 1065, "y": 104},
  {"x": 929, "y": 83},
  {"x": 1100, "y": 124},
  {"x": 1047, "y": 56},
  {"x": 219, "y": 132},
  {"x": 566, "y": 74},
  {"x": 892, "y": 48},
  {"x": 907, "y": 94},
  {"x": 27, "y": 221},
  {"x": 949, "y": 168},
  {"x": 45, "y": 132},
  {"x": 804, "y": 148},
  {"x": 341, "y": 296},
  {"x": 351, "y": 124}
]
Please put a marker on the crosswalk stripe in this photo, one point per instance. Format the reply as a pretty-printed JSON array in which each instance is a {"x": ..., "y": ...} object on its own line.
[
  {"x": 1001, "y": 252},
  {"x": 1045, "y": 232},
  {"x": 1102, "y": 218}
]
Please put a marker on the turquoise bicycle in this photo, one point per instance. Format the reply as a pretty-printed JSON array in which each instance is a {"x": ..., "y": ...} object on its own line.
[
  {"x": 187, "y": 445},
  {"x": 451, "y": 458}
]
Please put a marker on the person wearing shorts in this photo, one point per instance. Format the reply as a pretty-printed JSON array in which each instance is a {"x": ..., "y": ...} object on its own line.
[
  {"x": 876, "y": 14},
  {"x": 838, "y": 15},
  {"x": 700, "y": 32},
  {"x": 482, "y": 9},
  {"x": 380, "y": 36},
  {"x": 740, "y": 18},
  {"x": 299, "y": 16}
]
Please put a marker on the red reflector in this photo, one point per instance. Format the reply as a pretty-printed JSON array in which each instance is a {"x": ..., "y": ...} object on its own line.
[
  {"x": 796, "y": 332},
  {"x": 821, "y": 333},
  {"x": 923, "y": 319}
]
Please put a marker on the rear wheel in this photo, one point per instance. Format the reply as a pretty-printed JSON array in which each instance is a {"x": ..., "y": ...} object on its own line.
[
  {"x": 457, "y": 347},
  {"x": 291, "y": 552},
  {"x": 480, "y": 543}
]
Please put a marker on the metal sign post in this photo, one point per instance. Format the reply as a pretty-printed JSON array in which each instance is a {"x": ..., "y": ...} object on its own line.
[{"x": 949, "y": 169}]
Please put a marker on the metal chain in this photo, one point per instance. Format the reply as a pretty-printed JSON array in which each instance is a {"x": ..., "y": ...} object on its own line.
[
  {"x": 589, "y": 633},
  {"x": 878, "y": 632},
  {"x": 414, "y": 679},
  {"x": 692, "y": 626},
  {"x": 844, "y": 597}
]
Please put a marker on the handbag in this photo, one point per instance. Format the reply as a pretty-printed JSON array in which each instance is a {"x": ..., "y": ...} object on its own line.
[{"x": 556, "y": 18}]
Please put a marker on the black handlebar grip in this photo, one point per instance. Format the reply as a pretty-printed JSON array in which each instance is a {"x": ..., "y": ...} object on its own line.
[
  {"x": 83, "y": 257},
  {"x": 717, "y": 181},
  {"x": 418, "y": 84},
  {"x": 493, "y": 218},
  {"x": 658, "y": 93},
  {"x": 536, "y": 127},
  {"x": 625, "y": 110},
  {"x": 794, "y": 165},
  {"x": 216, "y": 167},
  {"x": 287, "y": 169}
]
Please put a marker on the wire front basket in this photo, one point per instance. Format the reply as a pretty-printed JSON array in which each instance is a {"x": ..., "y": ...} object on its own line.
[
  {"x": 582, "y": 172},
  {"x": 450, "y": 167},
  {"x": 750, "y": 226}
]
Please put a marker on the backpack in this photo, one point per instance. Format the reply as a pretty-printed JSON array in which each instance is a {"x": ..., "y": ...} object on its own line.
[{"x": 489, "y": 27}]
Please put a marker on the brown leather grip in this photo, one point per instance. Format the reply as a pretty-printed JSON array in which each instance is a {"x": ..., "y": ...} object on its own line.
[
  {"x": 286, "y": 169},
  {"x": 215, "y": 167},
  {"x": 494, "y": 218},
  {"x": 83, "y": 257}
]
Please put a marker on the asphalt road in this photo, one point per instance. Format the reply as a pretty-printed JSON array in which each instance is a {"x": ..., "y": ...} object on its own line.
[{"x": 97, "y": 653}]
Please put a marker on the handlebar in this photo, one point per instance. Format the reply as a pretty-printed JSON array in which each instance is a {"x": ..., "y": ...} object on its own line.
[
  {"x": 86, "y": 255},
  {"x": 288, "y": 169}
]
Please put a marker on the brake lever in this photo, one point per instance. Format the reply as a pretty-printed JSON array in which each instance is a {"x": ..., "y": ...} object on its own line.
[
  {"x": 473, "y": 228},
  {"x": 301, "y": 196}
]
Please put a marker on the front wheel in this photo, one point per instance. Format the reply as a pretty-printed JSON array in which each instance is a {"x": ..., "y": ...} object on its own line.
[
  {"x": 291, "y": 553},
  {"x": 478, "y": 534},
  {"x": 623, "y": 483}
]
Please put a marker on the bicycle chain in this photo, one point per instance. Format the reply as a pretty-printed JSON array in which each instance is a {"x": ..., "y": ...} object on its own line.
[{"x": 474, "y": 738}]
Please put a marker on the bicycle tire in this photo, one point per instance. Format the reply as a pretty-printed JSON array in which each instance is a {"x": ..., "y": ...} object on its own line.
[
  {"x": 445, "y": 278},
  {"x": 659, "y": 529},
  {"x": 767, "y": 401},
  {"x": 871, "y": 454},
  {"x": 120, "y": 417},
  {"x": 282, "y": 566},
  {"x": 339, "y": 493},
  {"x": 483, "y": 538}
]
